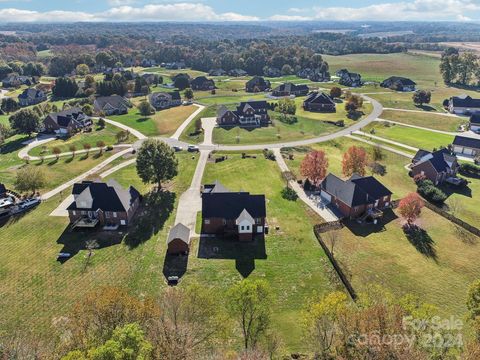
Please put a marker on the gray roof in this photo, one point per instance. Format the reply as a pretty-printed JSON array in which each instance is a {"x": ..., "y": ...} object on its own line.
[
  {"x": 31, "y": 93},
  {"x": 115, "y": 101},
  {"x": 181, "y": 232},
  {"x": 469, "y": 142},
  {"x": 465, "y": 101}
]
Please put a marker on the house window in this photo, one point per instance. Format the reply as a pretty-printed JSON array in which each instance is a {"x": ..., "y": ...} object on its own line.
[
  {"x": 114, "y": 214},
  {"x": 248, "y": 227},
  {"x": 385, "y": 198},
  {"x": 74, "y": 213},
  {"x": 107, "y": 214},
  {"x": 258, "y": 220},
  {"x": 207, "y": 221},
  {"x": 242, "y": 227}
]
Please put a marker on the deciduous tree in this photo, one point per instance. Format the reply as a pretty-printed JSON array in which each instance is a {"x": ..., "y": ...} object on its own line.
[
  {"x": 188, "y": 93},
  {"x": 314, "y": 166},
  {"x": 410, "y": 207},
  {"x": 145, "y": 109},
  {"x": 335, "y": 92},
  {"x": 421, "y": 97},
  {"x": 29, "y": 178},
  {"x": 25, "y": 121},
  {"x": 354, "y": 161}
]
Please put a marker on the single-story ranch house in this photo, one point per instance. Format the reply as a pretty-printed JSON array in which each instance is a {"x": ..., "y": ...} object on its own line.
[
  {"x": 288, "y": 89},
  {"x": 67, "y": 122},
  {"x": 111, "y": 105},
  {"x": 399, "y": 83},
  {"x": 178, "y": 241},
  {"x": 349, "y": 79},
  {"x": 107, "y": 204},
  {"x": 164, "y": 100},
  {"x": 475, "y": 122},
  {"x": 319, "y": 102},
  {"x": 31, "y": 96},
  {"x": 436, "y": 166},
  {"x": 463, "y": 105},
  {"x": 202, "y": 83},
  {"x": 228, "y": 213},
  {"x": 257, "y": 84},
  {"x": 14, "y": 80},
  {"x": 468, "y": 146},
  {"x": 248, "y": 114},
  {"x": 217, "y": 72},
  {"x": 358, "y": 196}
]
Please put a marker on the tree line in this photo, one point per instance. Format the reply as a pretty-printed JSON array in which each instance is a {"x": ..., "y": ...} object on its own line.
[{"x": 460, "y": 69}]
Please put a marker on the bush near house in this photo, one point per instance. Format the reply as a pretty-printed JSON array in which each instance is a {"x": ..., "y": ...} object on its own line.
[
  {"x": 429, "y": 191},
  {"x": 289, "y": 194},
  {"x": 469, "y": 169}
]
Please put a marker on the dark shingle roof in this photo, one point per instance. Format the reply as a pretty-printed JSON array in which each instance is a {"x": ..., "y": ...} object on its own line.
[
  {"x": 475, "y": 119},
  {"x": 441, "y": 160},
  {"x": 467, "y": 142},
  {"x": 30, "y": 93},
  {"x": 420, "y": 154},
  {"x": 200, "y": 80},
  {"x": 229, "y": 205},
  {"x": 115, "y": 101},
  {"x": 397, "y": 79},
  {"x": 465, "y": 101},
  {"x": 257, "y": 80},
  {"x": 355, "y": 191},
  {"x": 319, "y": 98},
  {"x": 108, "y": 196},
  {"x": 3, "y": 189}
]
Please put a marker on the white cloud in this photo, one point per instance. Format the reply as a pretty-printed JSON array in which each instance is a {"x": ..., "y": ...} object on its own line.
[
  {"x": 181, "y": 11},
  {"x": 121, "y": 2},
  {"x": 413, "y": 10},
  {"x": 289, "y": 18}
]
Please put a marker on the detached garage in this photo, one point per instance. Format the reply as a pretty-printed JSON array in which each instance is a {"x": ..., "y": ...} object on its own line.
[
  {"x": 178, "y": 241},
  {"x": 467, "y": 146}
]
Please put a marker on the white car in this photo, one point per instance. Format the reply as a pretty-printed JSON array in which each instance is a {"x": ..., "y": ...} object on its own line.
[{"x": 193, "y": 148}]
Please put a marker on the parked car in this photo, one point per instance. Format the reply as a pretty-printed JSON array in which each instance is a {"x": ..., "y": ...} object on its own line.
[
  {"x": 193, "y": 148},
  {"x": 172, "y": 280},
  {"x": 178, "y": 148}
]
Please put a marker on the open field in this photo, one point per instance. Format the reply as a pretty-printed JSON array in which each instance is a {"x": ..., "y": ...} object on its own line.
[
  {"x": 163, "y": 122},
  {"x": 36, "y": 288},
  {"x": 169, "y": 72},
  {"x": 107, "y": 135},
  {"x": 294, "y": 264},
  {"x": 418, "y": 138},
  {"x": 465, "y": 46},
  {"x": 428, "y": 120}
]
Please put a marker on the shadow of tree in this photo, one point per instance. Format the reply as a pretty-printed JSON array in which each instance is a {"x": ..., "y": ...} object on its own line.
[
  {"x": 156, "y": 208},
  {"x": 426, "y": 107},
  {"x": 244, "y": 253},
  {"x": 12, "y": 146},
  {"x": 420, "y": 239}
]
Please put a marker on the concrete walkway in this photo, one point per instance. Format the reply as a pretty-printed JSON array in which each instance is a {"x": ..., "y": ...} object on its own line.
[
  {"x": 23, "y": 153},
  {"x": 184, "y": 125},
  {"x": 418, "y": 127},
  {"x": 79, "y": 178},
  {"x": 408, "y": 147},
  {"x": 321, "y": 210},
  {"x": 424, "y": 112},
  {"x": 69, "y": 153},
  {"x": 190, "y": 202},
  {"x": 132, "y": 131},
  {"x": 208, "y": 124}
]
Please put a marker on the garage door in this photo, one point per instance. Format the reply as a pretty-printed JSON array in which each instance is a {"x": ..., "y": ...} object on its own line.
[
  {"x": 325, "y": 197},
  {"x": 468, "y": 151}
]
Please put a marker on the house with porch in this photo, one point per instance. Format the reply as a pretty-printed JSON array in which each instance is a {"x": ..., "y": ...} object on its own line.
[
  {"x": 467, "y": 146},
  {"x": 31, "y": 96},
  {"x": 165, "y": 100},
  {"x": 102, "y": 204},
  {"x": 111, "y": 105},
  {"x": 237, "y": 214},
  {"x": 347, "y": 78},
  {"x": 67, "y": 122},
  {"x": 319, "y": 102},
  {"x": 436, "y": 166},
  {"x": 202, "y": 83},
  {"x": 357, "y": 197},
  {"x": 257, "y": 84},
  {"x": 247, "y": 114},
  {"x": 399, "y": 83}
]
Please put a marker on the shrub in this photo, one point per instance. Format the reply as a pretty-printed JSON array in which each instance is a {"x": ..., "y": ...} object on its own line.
[
  {"x": 431, "y": 192},
  {"x": 471, "y": 169},
  {"x": 289, "y": 194},
  {"x": 287, "y": 119},
  {"x": 269, "y": 154},
  {"x": 109, "y": 148}
]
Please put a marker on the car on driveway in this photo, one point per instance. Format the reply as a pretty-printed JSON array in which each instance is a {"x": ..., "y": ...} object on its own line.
[
  {"x": 193, "y": 148},
  {"x": 178, "y": 148}
]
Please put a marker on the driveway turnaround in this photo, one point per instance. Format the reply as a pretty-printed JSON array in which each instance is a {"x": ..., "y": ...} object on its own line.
[
  {"x": 184, "y": 125},
  {"x": 208, "y": 124}
]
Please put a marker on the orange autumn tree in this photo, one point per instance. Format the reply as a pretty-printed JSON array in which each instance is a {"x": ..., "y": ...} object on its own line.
[
  {"x": 354, "y": 161},
  {"x": 314, "y": 166},
  {"x": 410, "y": 207}
]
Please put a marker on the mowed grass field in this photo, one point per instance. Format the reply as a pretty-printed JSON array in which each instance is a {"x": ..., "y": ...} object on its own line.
[
  {"x": 385, "y": 256},
  {"x": 294, "y": 265},
  {"x": 427, "y": 120},
  {"x": 163, "y": 122},
  {"x": 418, "y": 138},
  {"x": 36, "y": 289}
]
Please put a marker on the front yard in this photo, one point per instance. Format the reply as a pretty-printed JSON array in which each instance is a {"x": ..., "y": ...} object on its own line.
[{"x": 427, "y": 120}]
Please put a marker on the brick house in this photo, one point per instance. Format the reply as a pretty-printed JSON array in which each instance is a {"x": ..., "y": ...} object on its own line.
[
  {"x": 468, "y": 146},
  {"x": 399, "y": 83},
  {"x": 348, "y": 78},
  {"x": 257, "y": 84},
  {"x": 111, "y": 105},
  {"x": 202, "y": 83},
  {"x": 436, "y": 166},
  {"x": 247, "y": 114},
  {"x": 319, "y": 102},
  {"x": 105, "y": 204},
  {"x": 228, "y": 213},
  {"x": 357, "y": 196},
  {"x": 67, "y": 122},
  {"x": 178, "y": 241}
]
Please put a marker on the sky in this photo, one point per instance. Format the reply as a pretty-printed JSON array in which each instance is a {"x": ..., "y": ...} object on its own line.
[{"x": 237, "y": 10}]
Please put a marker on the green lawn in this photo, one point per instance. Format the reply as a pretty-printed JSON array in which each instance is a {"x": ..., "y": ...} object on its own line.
[
  {"x": 230, "y": 99},
  {"x": 189, "y": 134},
  {"x": 428, "y": 120},
  {"x": 107, "y": 135},
  {"x": 163, "y": 122},
  {"x": 36, "y": 289},
  {"x": 295, "y": 265},
  {"x": 418, "y": 138}
]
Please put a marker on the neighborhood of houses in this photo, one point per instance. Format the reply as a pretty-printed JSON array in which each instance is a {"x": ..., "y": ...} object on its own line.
[{"x": 237, "y": 215}]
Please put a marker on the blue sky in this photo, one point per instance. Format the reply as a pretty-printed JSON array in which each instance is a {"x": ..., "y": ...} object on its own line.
[{"x": 236, "y": 10}]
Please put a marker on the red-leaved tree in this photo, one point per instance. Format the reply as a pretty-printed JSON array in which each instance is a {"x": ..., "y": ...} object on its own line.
[
  {"x": 314, "y": 166},
  {"x": 410, "y": 208},
  {"x": 354, "y": 161}
]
